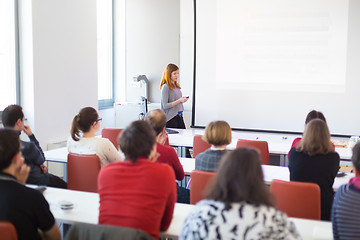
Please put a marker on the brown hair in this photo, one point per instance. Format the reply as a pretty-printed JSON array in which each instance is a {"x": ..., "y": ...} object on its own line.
[
  {"x": 9, "y": 146},
  {"x": 313, "y": 114},
  {"x": 356, "y": 157},
  {"x": 137, "y": 140},
  {"x": 166, "y": 78},
  {"x": 11, "y": 114},
  {"x": 240, "y": 179},
  {"x": 83, "y": 121},
  {"x": 157, "y": 119},
  {"x": 316, "y": 138},
  {"x": 218, "y": 133}
]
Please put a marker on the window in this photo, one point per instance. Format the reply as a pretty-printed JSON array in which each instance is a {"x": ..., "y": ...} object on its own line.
[
  {"x": 8, "y": 53},
  {"x": 105, "y": 53}
]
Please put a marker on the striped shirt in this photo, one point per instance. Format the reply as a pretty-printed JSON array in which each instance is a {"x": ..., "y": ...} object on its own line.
[{"x": 346, "y": 213}]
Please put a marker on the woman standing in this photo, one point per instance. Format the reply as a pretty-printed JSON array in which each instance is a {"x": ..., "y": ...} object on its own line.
[
  {"x": 83, "y": 141},
  {"x": 315, "y": 160},
  {"x": 171, "y": 97},
  {"x": 238, "y": 205}
]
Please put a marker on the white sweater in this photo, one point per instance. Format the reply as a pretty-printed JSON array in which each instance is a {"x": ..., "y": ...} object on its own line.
[{"x": 94, "y": 145}]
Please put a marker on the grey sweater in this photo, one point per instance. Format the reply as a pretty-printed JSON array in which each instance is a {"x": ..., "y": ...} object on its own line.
[{"x": 167, "y": 97}]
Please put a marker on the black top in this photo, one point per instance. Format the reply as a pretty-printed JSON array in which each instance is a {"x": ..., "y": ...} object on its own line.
[
  {"x": 24, "y": 207},
  {"x": 320, "y": 169},
  {"x": 34, "y": 157}
]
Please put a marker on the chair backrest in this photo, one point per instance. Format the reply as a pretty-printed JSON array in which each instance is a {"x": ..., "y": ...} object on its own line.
[
  {"x": 85, "y": 231},
  {"x": 112, "y": 134},
  {"x": 199, "y": 145},
  {"x": 199, "y": 182},
  {"x": 82, "y": 172},
  {"x": 297, "y": 199},
  {"x": 7, "y": 231},
  {"x": 262, "y": 146}
]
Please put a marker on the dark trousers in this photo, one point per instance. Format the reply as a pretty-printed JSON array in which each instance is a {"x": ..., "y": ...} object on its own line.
[
  {"x": 55, "y": 181},
  {"x": 176, "y": 122}
]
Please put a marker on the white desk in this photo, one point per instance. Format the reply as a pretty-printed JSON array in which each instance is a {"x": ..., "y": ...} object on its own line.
[
  {"x": 279, "y": 144},
  {"x": 86, "y": 210},
  {"x": 270, "y": 172}
]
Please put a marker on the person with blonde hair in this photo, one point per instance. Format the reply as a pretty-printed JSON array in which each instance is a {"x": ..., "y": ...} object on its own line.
[
  {"x": 171, "y": 97},
  {"x": 315, "y": 160},
  {"x": 238, "y": 204},
  {"x": 218, "y": 134},
  {"x": 83, "y": 141}
]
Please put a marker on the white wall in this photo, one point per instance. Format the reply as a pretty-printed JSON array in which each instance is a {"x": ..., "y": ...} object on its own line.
[
  {"x": 152, "y": 41},
  {"x": 60, "y": 75}
]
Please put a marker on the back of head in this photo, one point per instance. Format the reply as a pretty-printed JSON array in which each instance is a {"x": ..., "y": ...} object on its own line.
[
  {"x": 137, "y": 140},
  {"x": 9, "y": 146},
  {"x": 166, "y": 78},
  {"x": 83, "y": 121},
  {"x": 316, "y": 138},
  {"x": 356, "y": 157},
  {"x": 240, "y": 179},
  {"x": 11, "y": 114},
  {"x": 218, "y": 133},
  {"x": 314, "y": 115},
  {"x": 157, "y": 119}
]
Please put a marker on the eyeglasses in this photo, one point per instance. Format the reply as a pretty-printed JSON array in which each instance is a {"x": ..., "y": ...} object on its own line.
[{"x": 99, "y": 120}]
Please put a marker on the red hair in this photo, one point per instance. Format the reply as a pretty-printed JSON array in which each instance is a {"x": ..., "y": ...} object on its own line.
[{"x": 166, "y": 78}]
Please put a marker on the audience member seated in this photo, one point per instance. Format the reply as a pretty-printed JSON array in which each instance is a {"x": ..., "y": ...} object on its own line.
[
  {"x": 24, "y": 207},
  {"x": 13, "y": 117},
  {"x": 139, "y": 192},
  {"x": 157, "y": 119},
  {"x": 238, "y": 204},
  {"x": 313, "y": 114},
  {"x": 345, "y": 213},
  {"x": 315, "y": 160},
  {"x": 83, "y": 140},
  {"x": 218, "y": 134}
]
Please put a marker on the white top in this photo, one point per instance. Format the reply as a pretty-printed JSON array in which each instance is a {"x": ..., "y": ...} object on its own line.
[
  {"x": 212, "y": 220},
  {"x": 94, "y": 145}
]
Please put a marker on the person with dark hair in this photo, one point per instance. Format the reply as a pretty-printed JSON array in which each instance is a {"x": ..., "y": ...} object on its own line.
[
  {"x": 83, "y": 141},
  {"x": 345, "y": 214},
  {"x": 24, "y": 207},
  {"x": 13, "y": 117},
  {"x": 171, "y": 97},
  {"x": 238, "y": 204},
  {"x": 313, "y": 114},
  {"x": 218, "y": 134},
  {"x": 139, "y": 192},
  {"x": 157, "y": 119},
  {"x": 314, "y": 160}
]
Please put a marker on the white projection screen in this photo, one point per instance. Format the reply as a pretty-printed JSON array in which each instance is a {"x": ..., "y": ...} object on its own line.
[{"x": 264, "y": 64}]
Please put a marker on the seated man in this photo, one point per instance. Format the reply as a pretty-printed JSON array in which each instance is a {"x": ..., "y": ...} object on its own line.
[
  {"x": 345, "y": 213},
  {"x": 24, "y": 207},
  {"x": 139, "y": 192},
  {"x": 157, "y": 119},
  {"x": 13, "y": 117}
]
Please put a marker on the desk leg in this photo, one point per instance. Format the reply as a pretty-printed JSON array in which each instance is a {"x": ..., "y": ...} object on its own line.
[
  {"x": 181, "y": 151},
  {"x": 282, "y": 160}
]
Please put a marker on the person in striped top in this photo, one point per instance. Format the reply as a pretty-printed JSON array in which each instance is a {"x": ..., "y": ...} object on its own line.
[{"x": 345, "y": 214}]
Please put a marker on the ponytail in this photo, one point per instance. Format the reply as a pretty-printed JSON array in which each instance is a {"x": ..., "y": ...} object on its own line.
[
  {"x": 83, "y": 122},
  {"x": 75, "y": 131}
]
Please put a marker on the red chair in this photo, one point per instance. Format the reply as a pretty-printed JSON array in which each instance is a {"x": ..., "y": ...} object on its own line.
[
  {"x": 7, "y": 231},
  {"x": 199, "y": 145},
  {"x": 297, "y": 199},
  {"x": 112, "y": 134},
  {"x": 199, "y": 182},
  {"x": 262, "y": 146},
  {"x": 82, "y": 172}
]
